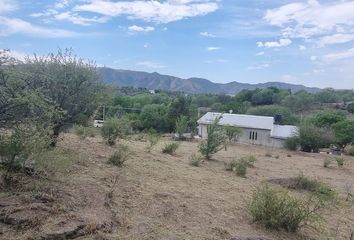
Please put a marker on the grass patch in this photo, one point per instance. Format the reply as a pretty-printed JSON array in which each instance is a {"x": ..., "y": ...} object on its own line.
[
  {"x": 340, "y": 161},
  {"x": 319, "y": 189},
  {"x": 84, "y": 132},
  {"x": 120, "y": 156},
  {"x": 327, "y": 162},
  {"x": 240, "y": 166},
  {"x": 276, "y": 209},
  {"x": 170, "y": 148},
  {"x": 195, "y": 160}
]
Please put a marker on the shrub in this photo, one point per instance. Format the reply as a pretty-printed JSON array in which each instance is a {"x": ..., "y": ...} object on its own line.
[
  {"x": 231, "y": 166},
  {"x": 241, "y": 169},
  {"x": 232, "y": 134},
  {"x": 153, "y": 138},
  {"x": 321, "y": 190},
  {"x": 114, "y": 128},
  {"x": 311, "y": 138},
  {"x": 20, "y": 145},
  {"x": 326, "y": 162},
  {"x": 84, "y": 132},
  {"x": 195, "y": 160},
  {"x": 340, "y": 161},
  {"x": 181, "y": 126},
  {"x": 277, "y": 209},
  {"x": 292, "y": 143},
  {"x": 215, "y": 141},
  {"x": 249, "y": 161},
  {"x": 120, "y": 156},
  {"x": 351, "y": 151},
  {"x": 170, "y": 148}
]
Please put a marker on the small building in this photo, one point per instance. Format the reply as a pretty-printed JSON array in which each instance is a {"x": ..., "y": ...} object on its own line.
[{"x": 256, "y": 130}]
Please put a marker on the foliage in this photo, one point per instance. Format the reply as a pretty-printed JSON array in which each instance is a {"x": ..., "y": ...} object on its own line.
[
  {"x": 120, "y": 156},
  {"x": 249, "y": 161},
  {"x": 154, "y": 116},
  {"x": 277, "y": 209},
  {"x": 19, "y": 146},
  {"x": 195, "y": 160},
  {"x": 181, "y": 126},
  {"x": 312, "y": 138},
  {"x": 344, "y": 132},
  {"x": 340, "y": 161},
  {"x": 153, "y": 138},
  {"x": 350, "y": 108},
  {"x": 292, "y": 143},
  {"x": 84, "y": 132},
  {"x": 240, "y": 166},
  {"x": 321, "y": 190},
  {"x": 170, "y": 148},
  {"x": 232, "y": 133},
  {"x": 113, "y": 129},
  {"x": 326, "y": 119},
  {"x": 241, "y": 169},
  {"x": 215, "y": 140},
  {"x": 351, "y": 151},
  {"x": 272, "y": 110}
]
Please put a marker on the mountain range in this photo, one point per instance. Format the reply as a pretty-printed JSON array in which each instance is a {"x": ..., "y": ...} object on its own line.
[{"x": 137, "y": 79}]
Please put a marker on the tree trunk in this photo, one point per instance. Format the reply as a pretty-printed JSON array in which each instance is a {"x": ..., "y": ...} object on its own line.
[{"x": 55, "y": 134}]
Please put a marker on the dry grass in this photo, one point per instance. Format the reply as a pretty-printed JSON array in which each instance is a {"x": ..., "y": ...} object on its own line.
[{"x": 159, "y": 196}]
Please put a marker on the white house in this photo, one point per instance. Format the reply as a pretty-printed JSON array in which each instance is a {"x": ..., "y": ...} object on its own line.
[{"x": 257, "y": 130}]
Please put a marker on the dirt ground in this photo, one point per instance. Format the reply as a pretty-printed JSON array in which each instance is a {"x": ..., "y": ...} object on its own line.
[{"x": 158, "y": 196}]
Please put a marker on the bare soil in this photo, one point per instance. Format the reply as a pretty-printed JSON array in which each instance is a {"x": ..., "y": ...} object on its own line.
[{"x": 159, "y": 196}]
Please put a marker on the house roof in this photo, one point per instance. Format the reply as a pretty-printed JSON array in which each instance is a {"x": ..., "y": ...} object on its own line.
[
  {"x": 283, "y": 131},
  {"x": 251, "y": 121},
  {"x": 240, "y": 120}
]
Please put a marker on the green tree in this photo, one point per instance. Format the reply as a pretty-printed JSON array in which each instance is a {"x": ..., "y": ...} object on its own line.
[
  {"x": 344, "y": 132},
  {"x": 232, "y": 133},
  {"x": 350, "y": 108},
  {"x": 181, "y": 126},
  {"x": 312, "y": 138},
  {"x": 215, "y": 141},
  {"x": 115, "y": 128}
]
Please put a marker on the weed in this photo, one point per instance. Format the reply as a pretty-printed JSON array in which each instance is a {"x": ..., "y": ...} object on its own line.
[
  {"x": 340, "y": 161},
  {"x": 248, "y": 161},
  {"x": 321, "y": 190},
  {"x": 170, "y": 148},
  {"x": 153, "y": 139},
  {"x": 120, "y": 156},
  {"x": 195, "y": 160},
  {"x": 327, "y": 162},
  {"x": 241, "y": 169}
]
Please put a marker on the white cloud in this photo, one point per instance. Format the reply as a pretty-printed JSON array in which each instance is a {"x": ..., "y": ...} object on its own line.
[
  {"x": 302, "y": 48},
  {"x": 307, "y": 20},
  {"x": 333, "y": 57},
  {"x": 62, "y": 4},
  {"x": 79, "y": 20},
  {"x": 9, "y": 26},
  {"x": 206, "y": 34},
  {"x": 281, "y": 43},
  {"x": 7, "y": 6},
  {"x": 135, "y": 28},
  {"x": 149, "y": 64},
  {"x": 313, "y": 58},
  {"x": 216, "y": 61},
  {"x": 335, "y": 39},
  {"x": 20, "y": 56},
  {"x": 289, "y": 78},
  {"x": 153, "y": 10},
  {"x": 213, "y": 48},
  {"x": 259, "y": 54},
  {"x": 259, "y": 67}
]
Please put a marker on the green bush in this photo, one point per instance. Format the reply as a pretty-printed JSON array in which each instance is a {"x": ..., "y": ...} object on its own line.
[
  {"x": 340, "y": 161},
  {"x": 240, "y": 166},
  {"x": 231, "y": 166},
  {"x": 277, "y": 209},
  {"x": 241, "y": 169},
  {"x": 312, "y": 138},
  {"x": 292, "y": 143},
  {"x": 84, "y": 132},
  {"x": 351, "y": 151},
  {"x": 170, "y": 148},
  {"x": 120, "y": 156},
  {"x": 195, "y": 160},
  {"x": 249, "y": 161},
  {"x": 113, "y": 129},
  {"x": 153, "y": 138},
  {"x": 20, "y": 145},
  {"x": 321, "y": 190}
]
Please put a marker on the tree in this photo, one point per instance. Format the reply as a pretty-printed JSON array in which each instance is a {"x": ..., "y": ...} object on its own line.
[
  {"x": 154, "y": 116},
  {"x": 115, "y": 128},
  {"x": 344, "y": 132},
  {"x": 68, "y": 82},
  {"x": 181, "y": 126},
  {"x": 350, "y": 108},
  {"x": 312, "y": 138},
  {"x": 215, "y": 141},
  {"x": 326, "y": 119},
  {"x": 232, "y": 133}
]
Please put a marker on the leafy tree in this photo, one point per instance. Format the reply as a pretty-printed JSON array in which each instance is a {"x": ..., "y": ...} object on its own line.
[
  {"x": 154, "y": 116},
  {"x": 215, "y": 141},
  {"x": 326, "y": 119},
  {"x": 232, "y": 133},
  {"x": 350, "y": 108},
  {"x": 344, "y": 132},
  {"x": 68, "y": 82},
  {"x": 181, "y": 126},
  {"x": 312, "y": 138}
]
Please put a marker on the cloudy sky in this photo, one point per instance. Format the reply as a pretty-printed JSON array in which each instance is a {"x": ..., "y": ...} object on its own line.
[{"x": 307, "y": 42}]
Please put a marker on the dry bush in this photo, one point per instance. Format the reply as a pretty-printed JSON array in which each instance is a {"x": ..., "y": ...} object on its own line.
[
  {"x": 340, "y": 161},
  {"x": 120, "y": 156},
  {"x": 170, "y": 148},
  {"x": 327, "y": 162},
  {"x": 195, "y": 160}
]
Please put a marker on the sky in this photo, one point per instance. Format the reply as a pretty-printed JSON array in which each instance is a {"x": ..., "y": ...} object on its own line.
[{"x": 252, "y": 41}]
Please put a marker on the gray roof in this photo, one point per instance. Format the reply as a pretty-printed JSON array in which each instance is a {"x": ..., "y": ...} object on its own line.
[
  {"x": 251, "y": 121},
  {"x": 240, "y": 120}
]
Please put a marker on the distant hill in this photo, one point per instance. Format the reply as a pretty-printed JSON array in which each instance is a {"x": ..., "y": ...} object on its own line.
[{"x": 127, "y": 78}]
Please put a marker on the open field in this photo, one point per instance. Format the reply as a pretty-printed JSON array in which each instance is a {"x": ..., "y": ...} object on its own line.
[{"x": 158, "y": 196}]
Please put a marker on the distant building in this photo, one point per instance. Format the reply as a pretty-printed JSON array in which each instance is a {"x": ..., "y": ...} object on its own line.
[
  {"x": 257, "y": 130},
  {"x": 152, "y": 91}
]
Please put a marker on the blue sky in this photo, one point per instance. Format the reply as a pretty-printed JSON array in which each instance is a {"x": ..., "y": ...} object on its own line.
[{"x": 302, "y": 42}]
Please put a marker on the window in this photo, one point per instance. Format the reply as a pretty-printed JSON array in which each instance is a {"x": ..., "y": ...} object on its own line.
[
  {"x": 250, "y": 135},
  {"x": 253, "y": 135},
  {"x": 256, "y": 135}
]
